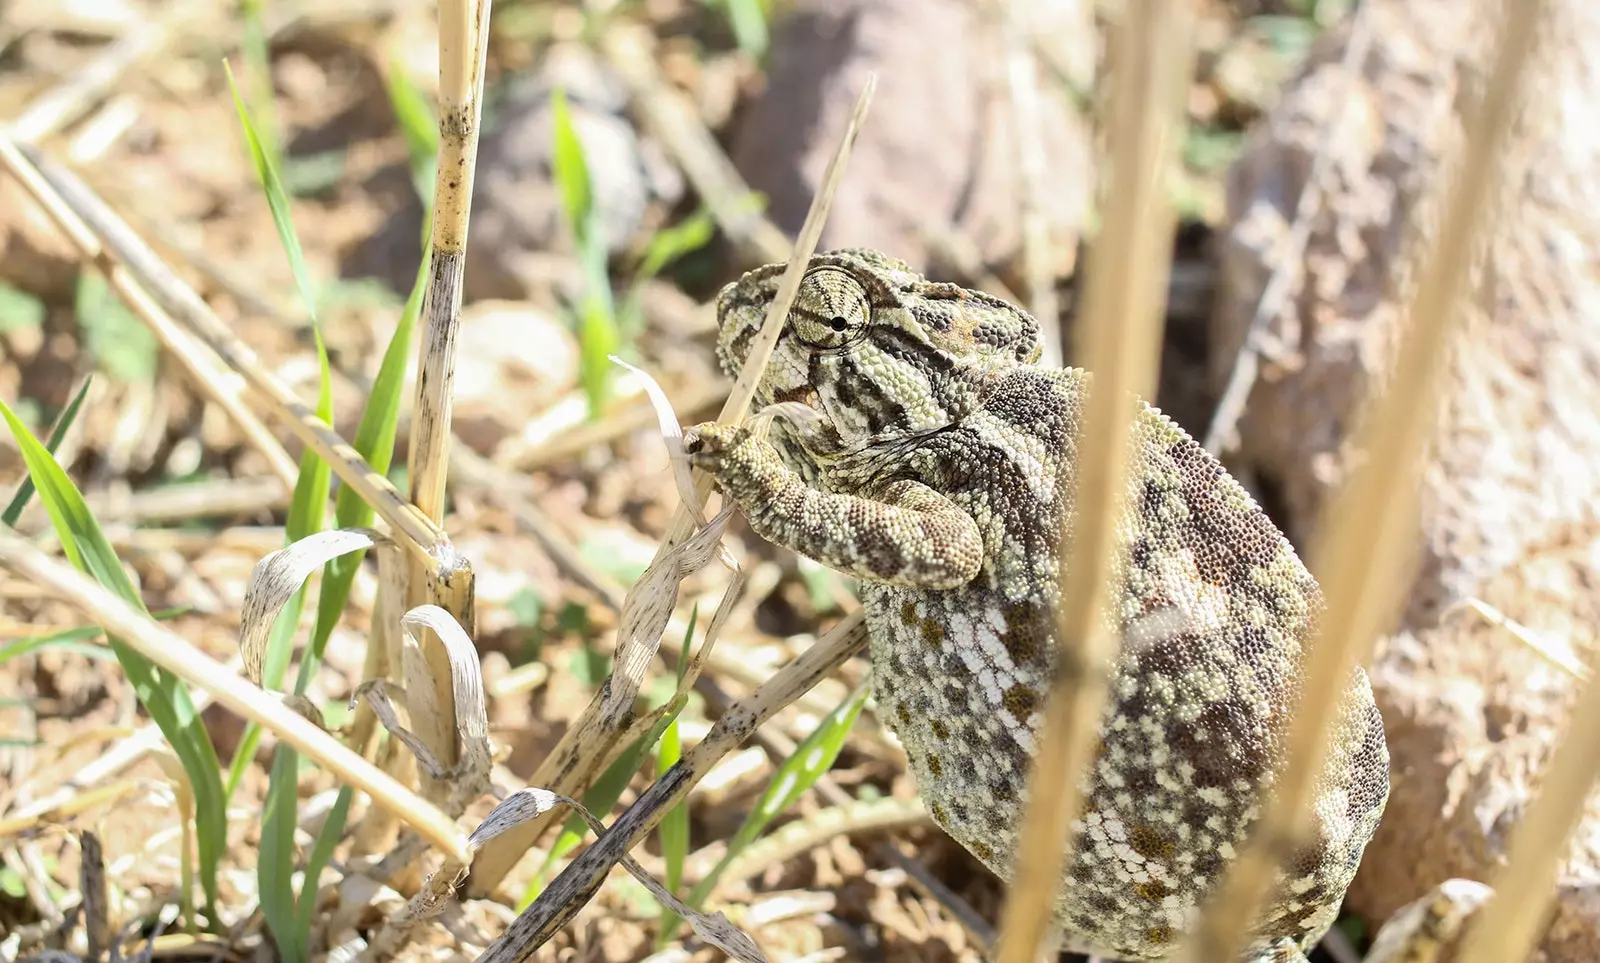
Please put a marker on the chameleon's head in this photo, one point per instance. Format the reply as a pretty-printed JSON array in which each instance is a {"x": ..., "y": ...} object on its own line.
[{"x": 876, "y": 349}]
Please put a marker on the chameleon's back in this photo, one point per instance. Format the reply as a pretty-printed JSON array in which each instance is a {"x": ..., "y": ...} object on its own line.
[{"x": 1213, "y": 615}]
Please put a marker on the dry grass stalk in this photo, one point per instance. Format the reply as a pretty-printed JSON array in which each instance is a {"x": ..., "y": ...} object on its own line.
[
  {"x": 215, "y": 383},
  {"x": 570, "y": 891},
  {"x": 68, "y": 101},
  {"x": 1125, "y": 286},
  {"x": 447, "y": 582},
  {"x": 591, "y": 737},
  {"x": 116, "y": 246},
  {"x": 1365, "y": 569},
  {"x": 175, "y": 654}
]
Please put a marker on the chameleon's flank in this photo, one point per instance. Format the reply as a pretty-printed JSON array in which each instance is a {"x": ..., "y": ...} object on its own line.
[{"x": 939, "y": 473}]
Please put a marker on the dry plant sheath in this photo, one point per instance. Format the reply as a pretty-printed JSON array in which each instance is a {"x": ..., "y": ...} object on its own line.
[
  {"x": 173, "y": 653},
  {"x": 463, "y": 53},
  {"x": 1364, "y": 568},
  {"x": 59, "y": 192},
  {"x": 570, "y": 891},
  {"x": 1120, "y": 339},
  {"x": 590, "y": 739}
]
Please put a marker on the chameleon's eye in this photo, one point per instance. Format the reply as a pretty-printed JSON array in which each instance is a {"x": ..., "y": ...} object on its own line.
[{"x": 830, "y": 310}]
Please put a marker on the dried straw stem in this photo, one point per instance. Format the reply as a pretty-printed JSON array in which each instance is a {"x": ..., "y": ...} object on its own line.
[
  {"x": 214, "y": 382},
  {"x": 590, "y": 739},
  {"x": 1364, "y": 569},
  {"x": 463, "y": 43},
  {"x": 175, "y": 654},
  {"x": 571, "y": 890},
  {"x": 1124, "y": 291},
  {"x": 104, "y": 237}
]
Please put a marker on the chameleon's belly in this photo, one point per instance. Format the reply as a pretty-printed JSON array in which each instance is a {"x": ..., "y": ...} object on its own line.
[{"x": 1194, "y": 738}]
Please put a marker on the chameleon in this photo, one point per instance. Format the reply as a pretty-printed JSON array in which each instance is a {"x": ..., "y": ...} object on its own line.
[{"x": 935, "y": 465}]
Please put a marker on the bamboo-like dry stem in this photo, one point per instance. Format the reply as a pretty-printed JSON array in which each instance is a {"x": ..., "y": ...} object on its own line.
[
  {"x": 1119, "y": 337},
  {"x": 1364, "y": 569},
  {"x": 576, "y": 757},
  {"x": 174, "y": 653},
  {"x": 463, "y": 55},
  {"x": 568, "y": 892},
  {"x": 115, "y": 245}
]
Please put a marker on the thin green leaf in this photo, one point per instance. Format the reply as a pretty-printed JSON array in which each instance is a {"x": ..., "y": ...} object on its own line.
[
  {"x": 571, "y": 167},
  {"x": 813, "y": 757},
  {"x": 274, "y": 872},
  {"x": 674, "y": 827},
  {"x": 162, "y": 694},
  {"x": 277, "y": 199},
  {"x": 321, "y": 855},
  {"x": 668, "y": 245},
  {"x": 80, "y": 641},
  {"x": 418, "y": 126},
  {"x": 63, "y": 425},
  {"x": 275, "y": 858}
]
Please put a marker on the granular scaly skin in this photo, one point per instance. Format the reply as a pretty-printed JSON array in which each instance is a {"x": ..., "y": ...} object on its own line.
[{"x": 938, "y": 474}]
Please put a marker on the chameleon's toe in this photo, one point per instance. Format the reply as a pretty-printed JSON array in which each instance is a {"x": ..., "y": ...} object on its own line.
[{"x": 709, "y": 445}]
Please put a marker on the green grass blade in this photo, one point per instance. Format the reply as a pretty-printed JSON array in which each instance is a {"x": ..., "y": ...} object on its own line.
[
  {"x": 277, "y": 200},
  {"x": 321, "y": 855},
  {"x": 418, "y": 126},
  {"x": 672, "y": 243},
  {"x": 80, "y": 641},
  {"x": 63, "y": 425},
  {"x": 571, "y": 168},
  {"x": 375, "y": 442},
  {"x": 162, "y": 694},
  {"x": 275, "y": 860}
]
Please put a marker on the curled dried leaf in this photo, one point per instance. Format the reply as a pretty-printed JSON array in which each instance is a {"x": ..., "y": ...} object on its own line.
[{"x": 276, "y": 578}]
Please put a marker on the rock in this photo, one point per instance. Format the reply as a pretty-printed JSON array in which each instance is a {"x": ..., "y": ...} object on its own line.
[
  {"x": 1508, "y": 511},
  {"x": 516, "y": 205},
  {"x": 938, "y": 143}
]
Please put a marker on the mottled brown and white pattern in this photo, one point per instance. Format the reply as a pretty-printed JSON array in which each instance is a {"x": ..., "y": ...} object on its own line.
[{"x": 938, "y": 474}]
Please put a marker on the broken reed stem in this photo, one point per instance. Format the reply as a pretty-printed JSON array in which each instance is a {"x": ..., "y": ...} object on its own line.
[
  {"x": 174, "y": 653},
  {"x": 1365, "y": 569},
  {"x": 113, "y": 245},
  {"x": 575, "y": 759},
  {"x": 1247, "y": 366},
  {"x": 1124, "y": 293},
  {"x": 463, "y": 53},
  {"x": 569, "y": 892},
  {"x": 215, "y": 384}
]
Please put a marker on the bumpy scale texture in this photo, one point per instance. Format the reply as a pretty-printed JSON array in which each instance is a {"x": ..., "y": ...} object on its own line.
[{"x": 938, "y": 471}]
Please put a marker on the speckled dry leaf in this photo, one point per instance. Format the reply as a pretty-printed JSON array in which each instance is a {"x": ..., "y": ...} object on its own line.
[
  {"x": 672, "y": 436},
  {"x": 471, "y": 777},
  {"x": 276, "y": 578},
  {"x": 529, "y": 803}
]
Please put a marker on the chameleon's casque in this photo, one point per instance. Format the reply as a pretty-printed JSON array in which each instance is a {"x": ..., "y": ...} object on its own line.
[{"x": 939, "y": 473}]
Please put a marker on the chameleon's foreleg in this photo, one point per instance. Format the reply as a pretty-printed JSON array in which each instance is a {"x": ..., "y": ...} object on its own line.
[{"x": 901, "y": 533}]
